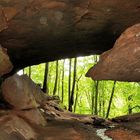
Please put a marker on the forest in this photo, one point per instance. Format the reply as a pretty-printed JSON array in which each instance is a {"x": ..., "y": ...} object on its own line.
[{"x": 66, "y": 78}]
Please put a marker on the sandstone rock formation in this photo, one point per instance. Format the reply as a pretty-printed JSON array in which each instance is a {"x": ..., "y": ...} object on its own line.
[
  {"x": 33, "y": 116},
  {"x": 17, "y": 92},
  {"x": 5, "y": 63},
  {"x": 35, "y": 31},
  {"x": 15, "y": 128},
  {"x": 49, "y": 121},
  {"x": 24, "y": 96},
  {"x": 22, "y": 93},
  {"x": 122, "y": 61}
]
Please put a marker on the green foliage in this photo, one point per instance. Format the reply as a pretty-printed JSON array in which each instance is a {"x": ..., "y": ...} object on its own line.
[{"x": 126, "y": 96}]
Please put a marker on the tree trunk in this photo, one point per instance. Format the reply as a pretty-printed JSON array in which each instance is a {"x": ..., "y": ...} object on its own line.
[
  {"x": 45, "y": 82},
  {"x": 76, "y": 98},
  {"x": 73, "y": 85},
  {"x": 63, "y": 74},
  {"x": 104, "y": 108},
  {"x": 56, "y": 79},
  {"x": 77, "y": 92},
  {"x": 100, "y": 107},
  {"x": 96, "y": 97},
  {"x": 103, "y": 99},
  {"x": 59, "y": 80},
  {"x": 69, "y": 83},
  {"x": 110, "y": 101},
  {"x": 92, "y": 100}
]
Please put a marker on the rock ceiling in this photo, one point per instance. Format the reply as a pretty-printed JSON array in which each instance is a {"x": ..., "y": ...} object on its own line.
[{"x": 35, "y": 31}]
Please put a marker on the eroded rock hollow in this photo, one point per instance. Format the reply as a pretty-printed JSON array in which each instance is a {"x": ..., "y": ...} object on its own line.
[{"x": 35, "y": 31}]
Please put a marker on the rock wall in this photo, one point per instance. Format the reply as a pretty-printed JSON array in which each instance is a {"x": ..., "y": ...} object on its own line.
[
  {"x": 32, "y": 115},
  {"x": 35, "y": 31},
  {"x": 121, "y": 63}
]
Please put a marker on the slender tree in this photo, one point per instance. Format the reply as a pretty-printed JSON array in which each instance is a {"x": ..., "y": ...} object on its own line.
[
  {"x": 45, "y": 82},
  {"x": 92, "y": 100},
  {"x": 103, "y": 99},
  {"x": 63, "y": 74},
  {"x": 103, "y": 107},
  {"x": 99, "y": 101},
  {"x": 76, "y": 98},
  {"x": 56, "y": 78},
  {"x": 59, "y": 80},
  {"x": 77, "y": 92},
  {"x": 110, "y": 101},
  {"x": 96, "y": 97},
  {"x": 73, "y": 85},
  {"x": 69, "y": 83}
]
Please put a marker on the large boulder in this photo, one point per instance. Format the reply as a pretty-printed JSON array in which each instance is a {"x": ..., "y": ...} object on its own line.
[
  {"x": 22, "y": 87},
  {"x": 19, "y": 91},
  {"x": 122, "y": 62}
]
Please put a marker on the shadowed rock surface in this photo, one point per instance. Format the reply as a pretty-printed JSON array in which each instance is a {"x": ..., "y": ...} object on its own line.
[
  {"x": 49, "y": 121},
  {"x": 35, "y": 31},
  {"x": 5, "y": 63},
  {"x": 122, "y": 61}
]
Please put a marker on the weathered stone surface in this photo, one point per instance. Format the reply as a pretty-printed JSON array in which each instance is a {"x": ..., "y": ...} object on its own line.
[
  {"x": 64, "y": 125},
  {"x": 36, "y": 31},
  {"x": 128, "y": 127},
  {"x": 33, "y": 116},
  {"x": 19, "y": 92},
  {"x": 5, "y": 63},
  {"x": 131, "y": 121},
  {"x": 68, "y": 134},
  {"x": 15, "y": 128},
  {"x": 22, "y": 87},
  {"x": 122, "y": 134},
  {"x": 122, "y": 62}
]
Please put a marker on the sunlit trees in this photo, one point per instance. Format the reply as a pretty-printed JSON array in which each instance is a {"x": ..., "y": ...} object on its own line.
[
  {"x": 45, "y": 82},
  {"x": 83, "y": 95}
]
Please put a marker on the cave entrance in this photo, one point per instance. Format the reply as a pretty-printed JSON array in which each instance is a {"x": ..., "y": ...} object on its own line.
[{"x": 66, "y": 79}]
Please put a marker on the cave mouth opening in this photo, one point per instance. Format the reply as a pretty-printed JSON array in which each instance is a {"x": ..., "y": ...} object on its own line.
[
  {"x": 31, "y": 107},
  {"x": 104, "y": 98}
]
